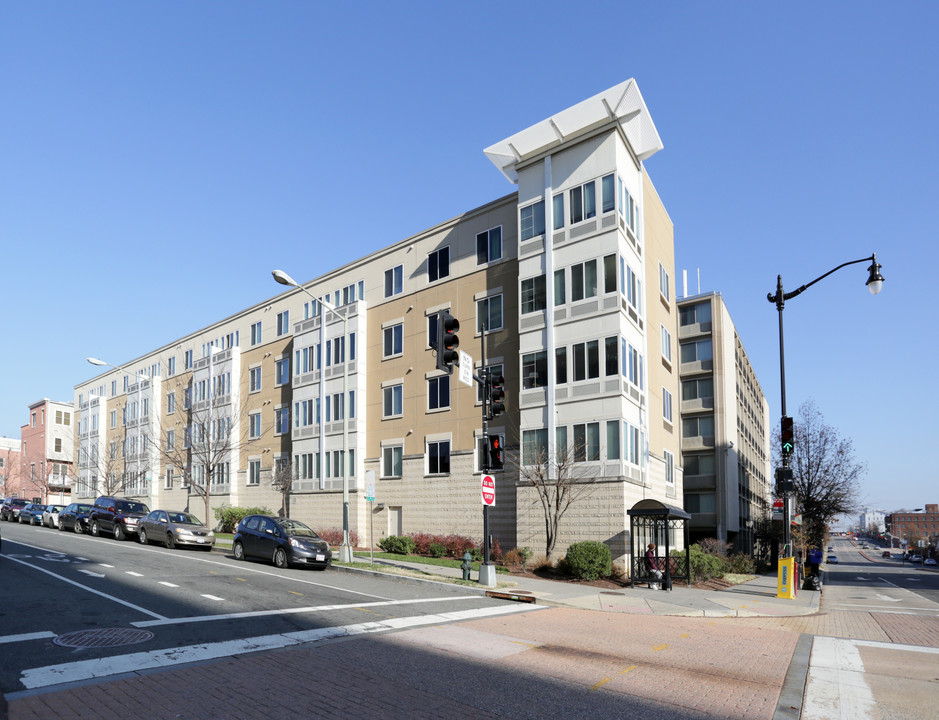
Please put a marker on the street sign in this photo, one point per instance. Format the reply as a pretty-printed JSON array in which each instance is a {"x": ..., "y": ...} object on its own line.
[
  {"x": 777, "y": 508},
  {"x": 489, "y": 490},
  {"x": 466, "y": 368},
  {"x": 369, "y": 486}
]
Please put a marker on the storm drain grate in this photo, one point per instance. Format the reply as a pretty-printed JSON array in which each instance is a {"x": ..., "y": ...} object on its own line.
[{"x": 103, "y": 637}]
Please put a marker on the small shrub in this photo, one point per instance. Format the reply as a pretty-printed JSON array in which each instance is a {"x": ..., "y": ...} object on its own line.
[
  {"x": 229, "y": 516},
  {"x": 705, "y": 566},
  {"x": 398, "y": 544},
  {"x": 588, "y": 560},
  {"x": 513, "y": 558},
  {"x": 713, "y": 546},
  {"x": 741, "y": 564},
  {"x": 423, "y": 541},
  {"x": 436, "y": 550},
  {"x": 541, "y": 562},
  {"x": 457, "y": 545},
  {"x": 334, "y": 537}
]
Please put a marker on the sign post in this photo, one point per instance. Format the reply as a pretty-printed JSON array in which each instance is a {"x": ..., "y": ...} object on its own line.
[{"x": 370, "y": 498}]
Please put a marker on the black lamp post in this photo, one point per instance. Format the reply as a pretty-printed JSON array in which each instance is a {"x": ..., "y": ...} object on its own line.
[{"x": 784, "y": 485}]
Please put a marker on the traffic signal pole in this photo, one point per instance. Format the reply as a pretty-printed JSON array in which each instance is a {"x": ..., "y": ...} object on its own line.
[{"x": 487, "y": 572}]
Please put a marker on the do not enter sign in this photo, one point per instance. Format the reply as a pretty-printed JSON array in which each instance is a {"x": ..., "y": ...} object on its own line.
[{"x": 489, "y": 490}]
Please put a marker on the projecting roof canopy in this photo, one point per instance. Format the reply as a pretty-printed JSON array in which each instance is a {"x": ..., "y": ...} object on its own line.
[
  {"x": 657, "y": 508},
  {"x": 621, "y": 105}
]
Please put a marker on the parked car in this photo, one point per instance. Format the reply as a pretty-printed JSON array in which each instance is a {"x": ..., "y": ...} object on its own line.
[
  {"x": 50, "y": 516},
  {"x": 31, "y": 513},
  {"x": 116, "y": 515},
  {"x": 11, "y": 508},
  {"x": 916, "y": 559},
  {"x": 885, "y": 553},
  {"x": 74, "y": 517},
  {"x": 832, "y": 560},
  {"x": 280, "y": 540},
  {"x": 175, "y": 528},
  {"x": 929, "y": 561}
]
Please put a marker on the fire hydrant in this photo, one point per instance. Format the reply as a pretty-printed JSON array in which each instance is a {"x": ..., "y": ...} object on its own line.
[{"x": 467, "y": 565}]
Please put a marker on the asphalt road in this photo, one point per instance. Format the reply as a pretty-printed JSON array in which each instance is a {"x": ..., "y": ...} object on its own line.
[{"x": 163, "y": 606}]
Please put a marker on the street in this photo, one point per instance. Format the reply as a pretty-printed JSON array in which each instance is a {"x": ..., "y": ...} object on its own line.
[{"x": 234, "y": 639}]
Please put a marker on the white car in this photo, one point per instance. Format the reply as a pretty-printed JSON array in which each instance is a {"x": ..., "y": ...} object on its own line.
[
  {"x": 929, "y": 561},
  {"x": 50, "y": 516}
]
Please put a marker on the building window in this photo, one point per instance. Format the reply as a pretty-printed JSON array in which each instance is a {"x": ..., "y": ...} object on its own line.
[
  {"x": 58, "y": 445},
  {"x": 633, "y": 444},
  {"x": 432, "y": 330},
  {"x": 699, "y": 389},
  {"x": 583, "y": 202},
  {"x": 587, "y": 442},
  {"x": 393, "y": 280},
  {"x": 170, "y": 440},
  {"x": 696, "y": 351},
  {"x": 393, "y": 344},
  {"x": 560, "y": 365},
  {"x": 254, "y": 472},
  {"x": 612, "y": 440},
  {"x": 171, "y": 366},
  {"x": 608, "y": 192},
  {"x": 438, "y": 457},
  {"x": 171, "y": 402},
  {"x": 534, "y": 295},
  {"x": 391, "y": 457},
  {"x": 256, "y": 333},
  {"x": 113, "y": 419},
  {"x": 489, "y": 313},
  {"x": 282, "y": 371},
  {"x": 283, "y": 323},
  {"x": 693, "y": 427},
  {"x": 633, "y": 365},
  {"x": 583, "y": 280},
  {"x": 535, "y": 370},
  {"x": 534, "y": 447},
  {"x": 663, "y": 282},
  {"x": 611, "y": 364},
  {"x": 168, "y": 481},
  {"x": 254, "y": 425},
  {"x": 187, "y": 360},
  {"x": 558, "y": 211},
  {"x": 666, "y": 344},
  {"x": 438, "y": 264},
  {"x": 697, "y": 314},
  {"x": 392, "y": 401},
  {"x": 531, "y": 220},
  {"x": 699, "y": 464},
  {"x": 281, "y": 421},
  {"x": 489, "y": 246},
  {"x": 586, "y": 360},
  {"x": 666, "y": 405},
  {"x": 254, "y": 379},
  {"x": 438, "y": 393}
]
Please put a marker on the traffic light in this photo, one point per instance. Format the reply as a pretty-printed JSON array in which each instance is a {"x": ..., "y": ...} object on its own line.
[
  {"x": 788, "y": 435},
  {"x": 447, "y": 341},
  {"x": 496, "y": 395},
  {"x": 496, "y": 456}
]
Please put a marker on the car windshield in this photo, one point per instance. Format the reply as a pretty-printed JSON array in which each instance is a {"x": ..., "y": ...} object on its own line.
[
  {"x": 184, "y": 518},
  {"x": 296, "y": 528},
  {"x": 84, "y": 508},
  {"x": 131, "y": 506}
]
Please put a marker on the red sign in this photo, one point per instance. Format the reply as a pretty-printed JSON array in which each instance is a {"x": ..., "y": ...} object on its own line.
[{"x": 489, "y": 490}]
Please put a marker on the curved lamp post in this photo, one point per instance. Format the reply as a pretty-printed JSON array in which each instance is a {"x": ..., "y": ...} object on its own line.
[
  {"x": 345, "y": 550},
  {"x": 875, "y": 283}
]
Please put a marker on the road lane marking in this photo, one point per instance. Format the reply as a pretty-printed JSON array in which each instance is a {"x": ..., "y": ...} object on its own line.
[
  {"x": 88, "y": 589},
  {"x": 629, "y": 669},
  {"x": 105, "y": 565},
  {"x": 214, "y": 597},
  {"x": 168, "y": 584},
  {"x": 291, "y": 611},
  {"x": 131, "y": 572},
  {"x": 92, "y": 573},
  {"x": 600, "y": 684},
  {"x": 27, "y": 636},
  {"x": 135, "y": 662}
]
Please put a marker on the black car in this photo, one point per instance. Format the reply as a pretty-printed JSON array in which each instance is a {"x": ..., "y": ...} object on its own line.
[
  {"x": 11, "y": 508},
  {"x": 116, "y": 515},
  {"x": 282, "y": 541},
  {"x": 75, "y": 517}
]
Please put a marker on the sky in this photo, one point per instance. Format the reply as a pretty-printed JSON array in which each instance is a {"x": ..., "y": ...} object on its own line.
[{"x": 158, "y": 159}]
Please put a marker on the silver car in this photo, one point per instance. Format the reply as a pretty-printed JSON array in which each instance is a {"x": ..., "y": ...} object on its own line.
[
  {"x": 175, "y": 528},
  {"x": 50, "y": 516}
]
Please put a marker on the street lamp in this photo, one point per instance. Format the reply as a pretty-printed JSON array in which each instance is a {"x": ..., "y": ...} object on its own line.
[
  {"x": 345, "y": 550},
  {"x": 875, "y": 283},
  {"x": 139, "y": 413}
]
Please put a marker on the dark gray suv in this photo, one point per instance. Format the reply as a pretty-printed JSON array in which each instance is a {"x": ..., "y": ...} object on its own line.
[{"x": 115, "y": 515}]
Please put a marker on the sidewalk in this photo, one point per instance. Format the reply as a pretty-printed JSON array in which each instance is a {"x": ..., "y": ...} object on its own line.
[{"x": 756, "y": 598}]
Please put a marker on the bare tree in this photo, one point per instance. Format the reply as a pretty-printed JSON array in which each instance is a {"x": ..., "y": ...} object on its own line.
[
  {"x": 108, "y": 470},
  {"x": 282, "y": 480},
  {"x": 826, "y": 473},
  {"x": 560, "y": 481}
]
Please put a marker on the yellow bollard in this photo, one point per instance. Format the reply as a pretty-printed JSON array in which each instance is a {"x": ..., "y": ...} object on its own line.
[{"x": 786, "y": 580}]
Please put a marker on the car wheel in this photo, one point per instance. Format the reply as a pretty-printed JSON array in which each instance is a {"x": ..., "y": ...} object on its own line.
[
  {"x": 170, "y": 542},
  {"x": 119, "y": 533},
  {"x": 77, "y": 527},
  {"x": 239, "y": 551},
  {"x": 280, "y": 558},
  {"x": 143, "y": 537},
  {"x": 95, "y": 530}
]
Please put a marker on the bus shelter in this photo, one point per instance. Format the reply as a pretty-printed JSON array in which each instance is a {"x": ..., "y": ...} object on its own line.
[{"x": 665, "y": 526}]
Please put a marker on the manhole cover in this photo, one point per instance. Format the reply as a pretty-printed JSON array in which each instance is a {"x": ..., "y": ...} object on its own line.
[{"x": 103, "y": 637}]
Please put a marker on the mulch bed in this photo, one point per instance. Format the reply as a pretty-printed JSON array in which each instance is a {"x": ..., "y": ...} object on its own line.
[{"x": 611, "y": 583}]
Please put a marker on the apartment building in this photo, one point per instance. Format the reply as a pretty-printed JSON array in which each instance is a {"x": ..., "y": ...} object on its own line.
[
  {"x": 725, "y": 426},
  {"x": 334, "y": 384},
  {"x": 47, "y": 449},
  {"x": 916, "y": 529}
]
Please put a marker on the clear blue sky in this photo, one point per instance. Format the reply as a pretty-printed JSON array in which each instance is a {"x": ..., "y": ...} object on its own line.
[{"x": 160, "y": 158}]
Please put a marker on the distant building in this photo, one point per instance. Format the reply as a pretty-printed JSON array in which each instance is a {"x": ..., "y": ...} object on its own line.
[
  {"x": 9, "y": 465},
  {"x": 914, "y": 528},
  {"x": 872, "y": 521},
  {"x": 725, "y": 426},
  {"x": 47, "y": 447}
]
